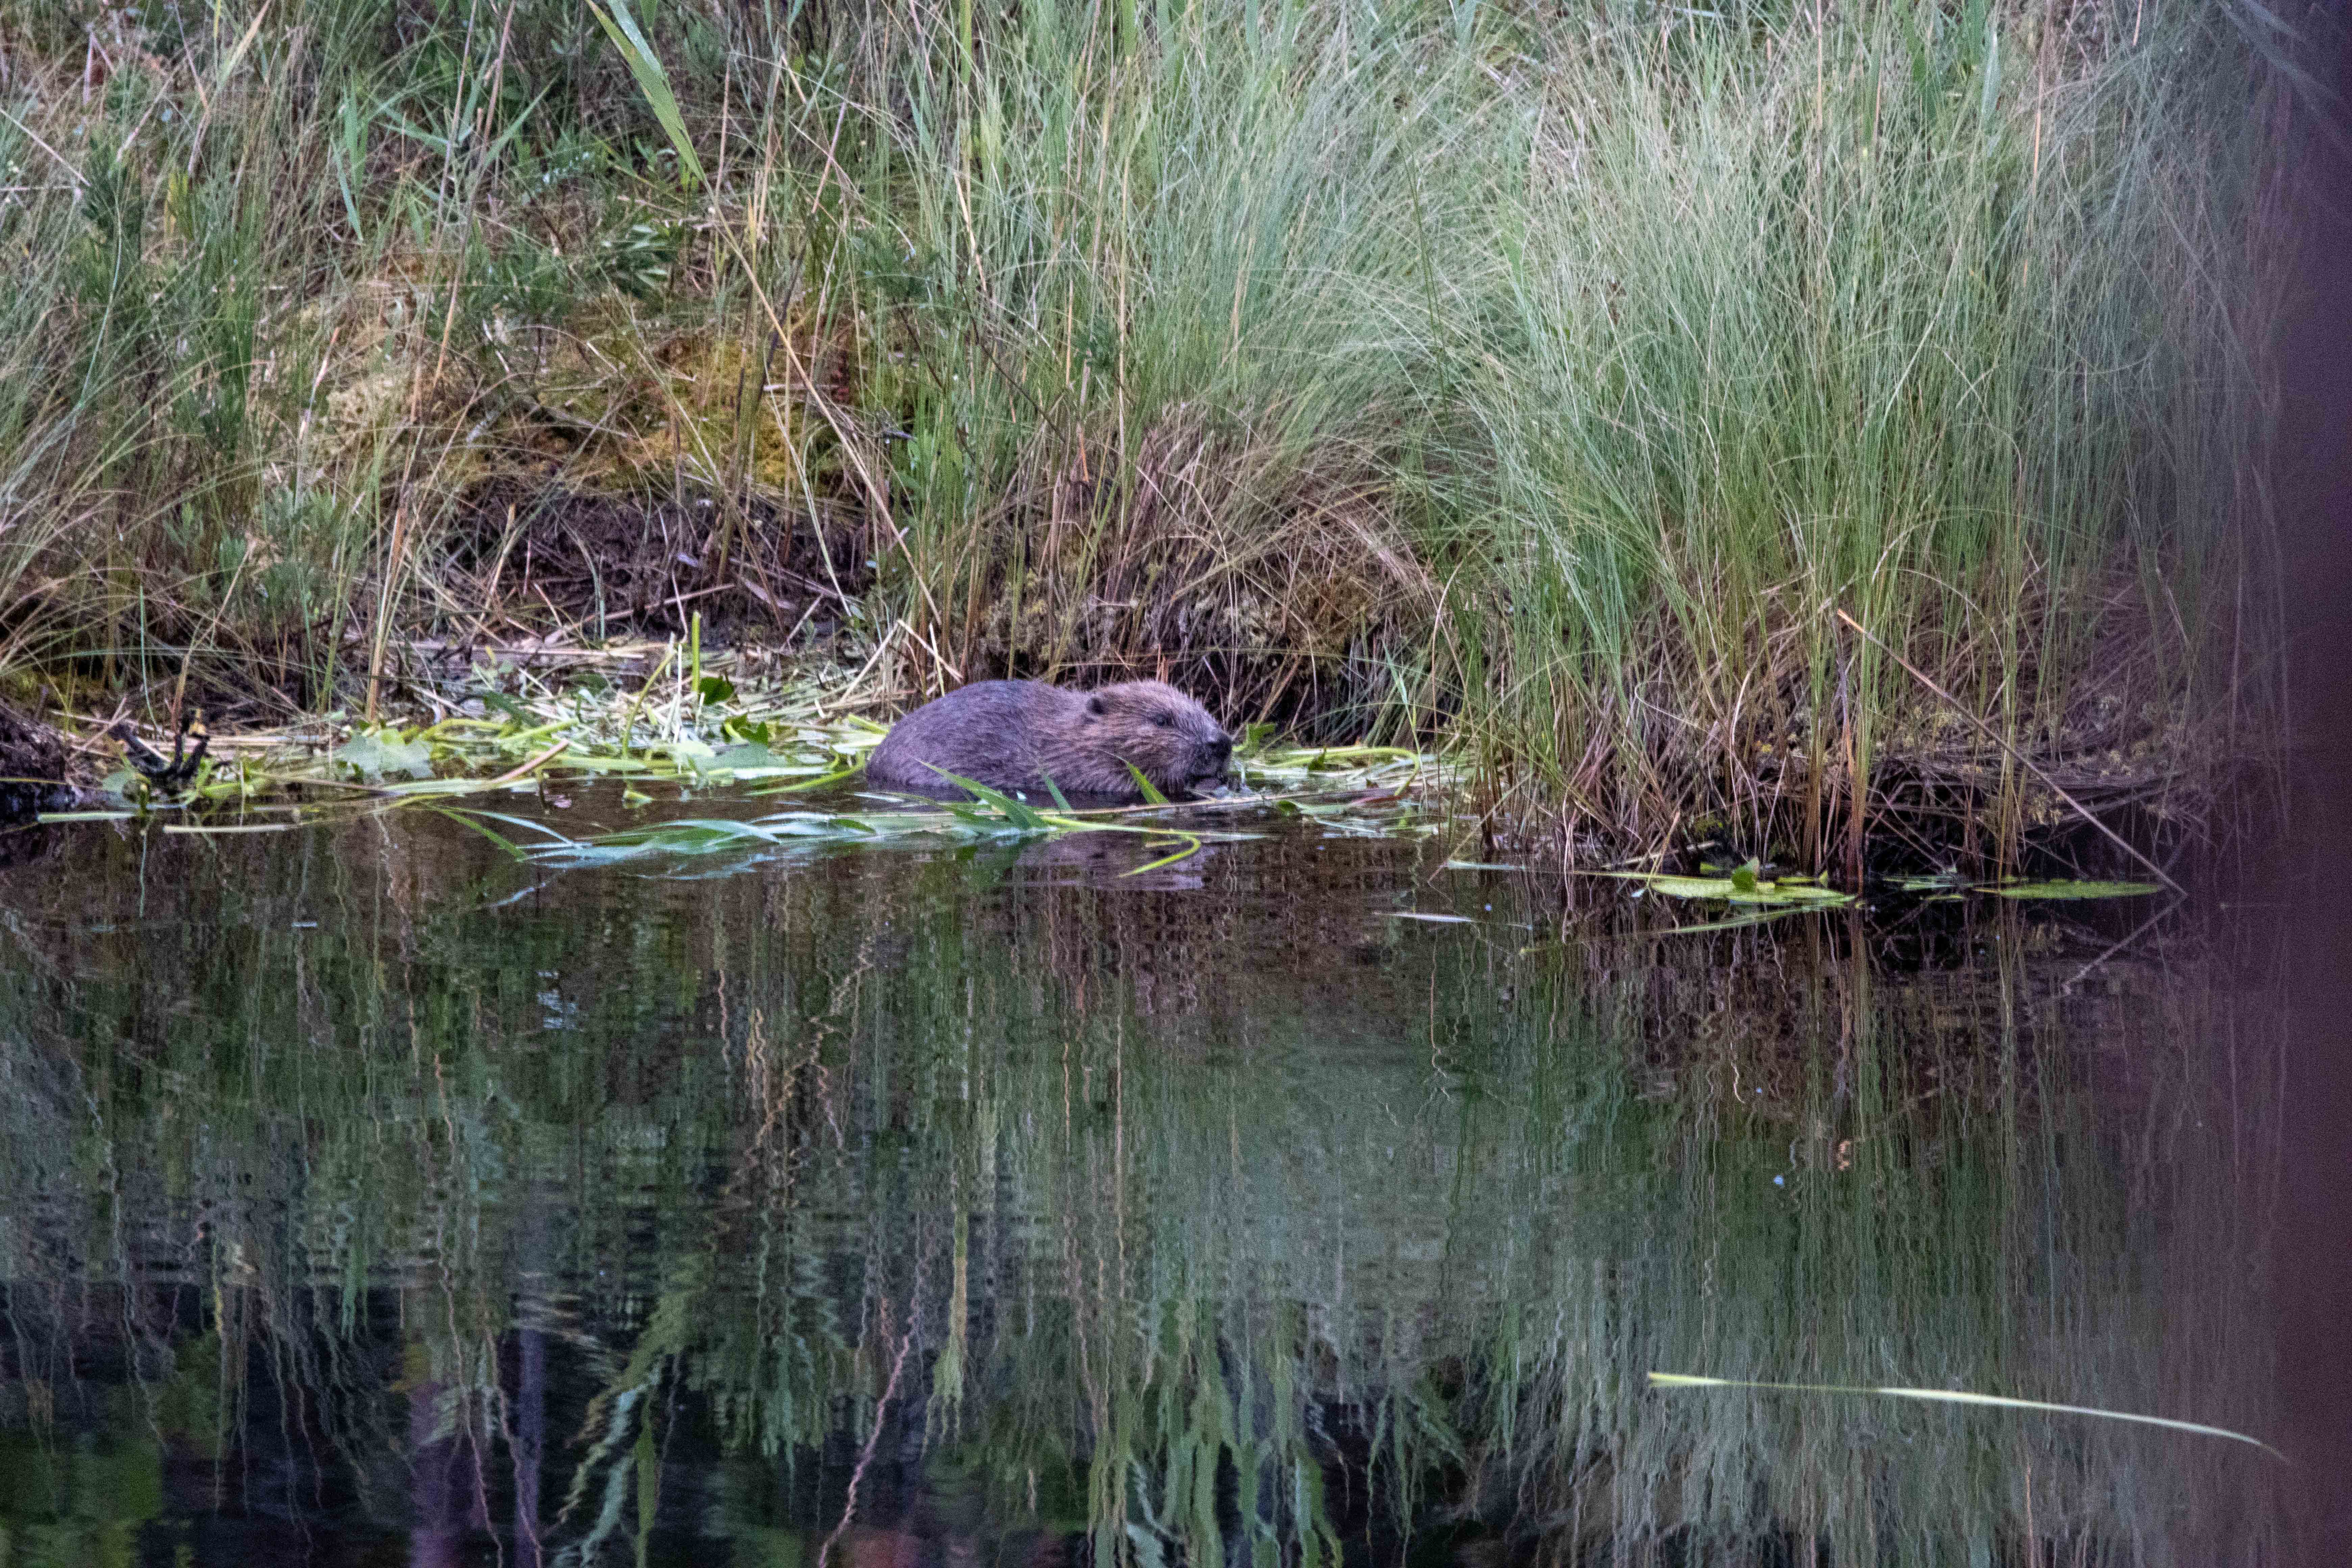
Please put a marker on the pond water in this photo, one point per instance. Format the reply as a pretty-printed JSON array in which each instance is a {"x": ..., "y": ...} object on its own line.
[{"x": 367, "y": 1196}]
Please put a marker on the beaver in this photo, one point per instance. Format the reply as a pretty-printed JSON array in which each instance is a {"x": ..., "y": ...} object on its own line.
[{"x": 1017, "y": 734}]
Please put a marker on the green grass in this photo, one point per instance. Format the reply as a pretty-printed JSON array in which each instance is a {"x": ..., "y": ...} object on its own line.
[{"x": 1536, "y": 386}]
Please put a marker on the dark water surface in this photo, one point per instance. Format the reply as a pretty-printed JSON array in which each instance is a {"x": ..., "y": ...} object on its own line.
[{"x": 367, "y": 1197}]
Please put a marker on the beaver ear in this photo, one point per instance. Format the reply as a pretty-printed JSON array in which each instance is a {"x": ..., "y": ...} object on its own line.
[{"x": 1096, "y": 706}]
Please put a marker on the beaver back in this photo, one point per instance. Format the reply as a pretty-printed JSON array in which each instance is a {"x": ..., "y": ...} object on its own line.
[{"x": 1017, "y": 734}]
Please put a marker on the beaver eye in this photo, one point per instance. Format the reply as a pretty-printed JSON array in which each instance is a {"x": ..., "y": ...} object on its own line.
[{"x": 1163, "y": 720}]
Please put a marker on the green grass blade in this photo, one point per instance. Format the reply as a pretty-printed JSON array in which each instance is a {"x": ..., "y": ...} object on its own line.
[
  {"x": 1019, "y": 814},
  {"x": 1151, "y": 795},
  {"x": 1955, "y": 1396},
  {"x": 803, "y": 785},
  {"x": 1190, "y": 848},
  {"x": 2074, "y": 890},
  {"x": 466, "y": 820},
  {"x": 621, "y": 26},
  {"x": 522, "y": 822}
]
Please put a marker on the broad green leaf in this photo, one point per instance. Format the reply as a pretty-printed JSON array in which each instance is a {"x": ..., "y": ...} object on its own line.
[
  {"x": 374, "y": 753},
  {"x": 742, "y": 728},
  {"x": 751, "y": 755}
]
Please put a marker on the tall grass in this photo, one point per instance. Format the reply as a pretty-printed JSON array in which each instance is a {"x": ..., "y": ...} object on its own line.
[
  {"x": 1887, "y": 315},
  {"x": 1547, "y": 384},
  {"x": 1175, "y": 326}
]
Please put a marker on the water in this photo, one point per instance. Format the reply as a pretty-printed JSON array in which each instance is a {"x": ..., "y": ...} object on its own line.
[{"x": 367, "y": 1196}]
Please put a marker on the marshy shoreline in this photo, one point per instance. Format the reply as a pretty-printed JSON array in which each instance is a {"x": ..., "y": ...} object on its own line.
[{"x": 1837, "y": 436}]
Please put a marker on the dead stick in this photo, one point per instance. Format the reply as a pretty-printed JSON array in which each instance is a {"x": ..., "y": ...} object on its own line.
[
  {"x": 873, "y": 1438},
  {"x": 2015, "y": 755},
  {"x": 2068, "y": 989},
  {"x": 548, "y": 755}
]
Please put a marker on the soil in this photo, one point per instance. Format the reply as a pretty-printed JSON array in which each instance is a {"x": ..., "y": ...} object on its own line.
[
  {"x": 625, "y": 565},
  {"x": 32, "y": 766}
]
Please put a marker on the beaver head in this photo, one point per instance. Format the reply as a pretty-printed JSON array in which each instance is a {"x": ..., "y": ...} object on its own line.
[{"x": 1169, "y": 738}]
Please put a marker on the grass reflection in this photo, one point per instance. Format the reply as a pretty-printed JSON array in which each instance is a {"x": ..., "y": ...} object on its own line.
[{"x": 994, "y": 1200}]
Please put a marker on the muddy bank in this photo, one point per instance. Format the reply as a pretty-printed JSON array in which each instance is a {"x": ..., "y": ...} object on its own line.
[
  {"x": 606, "y": 565},
  {"x": 33, "y": 767}
]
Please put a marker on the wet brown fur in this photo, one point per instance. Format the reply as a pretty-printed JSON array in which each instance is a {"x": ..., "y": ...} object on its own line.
[{"x": 1017, "y": 734}]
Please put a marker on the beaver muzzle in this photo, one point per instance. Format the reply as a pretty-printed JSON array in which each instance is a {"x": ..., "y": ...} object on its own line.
[{"x": 1214, "y": 760}]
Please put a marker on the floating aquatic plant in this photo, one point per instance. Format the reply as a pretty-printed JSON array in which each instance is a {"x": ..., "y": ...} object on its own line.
[
  {"x": 1745, "y": 885},
  {"x": 698, "y": 722},
  {"x": 2072, "y": 889},
  {"x": 988, "y": 815},
  {"x": 691, "y": 728}
]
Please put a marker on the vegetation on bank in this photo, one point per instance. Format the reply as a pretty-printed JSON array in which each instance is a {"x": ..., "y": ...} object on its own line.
[{"x": 1619, "y": 397}]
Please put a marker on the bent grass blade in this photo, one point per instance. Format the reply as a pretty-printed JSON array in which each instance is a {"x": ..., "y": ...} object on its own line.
[
  {"x": 1956, "y": 1396},
  {"x": 521, "y": 822},
  {"x": 1190, "y": 846},
  {"x": 466, "y": 819},
  {"x": 1023, "y": 816},
  {"x": 1151, "y": 795},
  {"x": 621, "y": 26},
  {"x": 1754, "y": 917}
]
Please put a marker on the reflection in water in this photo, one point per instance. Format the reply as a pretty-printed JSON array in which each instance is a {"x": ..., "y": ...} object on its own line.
[{"x": 983, "y": 1206}]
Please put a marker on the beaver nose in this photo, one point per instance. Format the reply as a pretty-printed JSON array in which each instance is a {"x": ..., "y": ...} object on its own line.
[{"x": 1221, "y": 749}]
